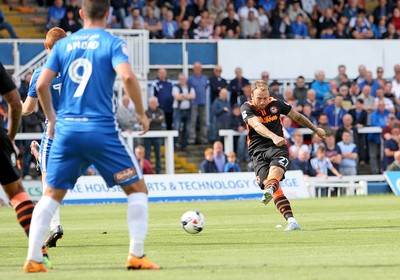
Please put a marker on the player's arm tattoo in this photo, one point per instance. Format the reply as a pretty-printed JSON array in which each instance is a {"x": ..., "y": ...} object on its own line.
[{"x": 301, "y": 119}]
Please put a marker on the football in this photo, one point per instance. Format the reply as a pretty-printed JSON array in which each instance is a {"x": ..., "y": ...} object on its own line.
[{"x": 193, "y": 221}]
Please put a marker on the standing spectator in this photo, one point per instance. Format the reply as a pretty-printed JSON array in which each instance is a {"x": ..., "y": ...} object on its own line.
[
  {"x": 170, "y": 26},
  {"x": 263, "y": 20},
  {"x": 369, "y": 101},
  {"x": 162, "y": 89},
  {"x": 383, "y": 10},
  {"x": 320, "y": 86},
  {"x": 351, "y": 9},
  {"x": 280, "y": 22},
  {"x": 335, "y": 112},
  {"x": 341, "y": 71},
  {"x": 55, "y": 14},
  {"x": 325, "y": 22},
  {"x": 323, "y": 123},
  {"x": 199, "y": 109},
  {"x": 378, "y": 118},
  {"x": 126, "y": 115},
  {"x": 185, "y": 32},
  {"x": 323, "y": 6},
  {"x": 333, "y": 152},
  {"x": 395, "y": 165},
  {"x": 220, "y": 157},
  {"x": 183, "y": 96},
  {"x": 265, "y": 76},
  {"x": 362, "y": 71},
  {"x": 360, "y": 118},
  {"x": 152, "y": 23},
  {"x": 216, "y": 7},
  {"x": 250, "y": 27},
  {"x": 208, "y": 164},
  {"x": 232, "y": 165},
  {"x": 6, "y": 25},
  {"x": 236, "y": 85},
  {"x": 348, "y": 165},
  {"x": 396, "y": 83},
  {"x": 156, "y": 117},
  {"x": 390, "y": 147},
  {"x": 69, "y": 23},
  {"x": 217, "y": 82},
  {"x": 275, "y": 89},
  {"x": 144, "y": 163},
  {"x": 369, "y": 80},
  {"x": 219, "y": 111},
  {"x": 184, "y": 11}
]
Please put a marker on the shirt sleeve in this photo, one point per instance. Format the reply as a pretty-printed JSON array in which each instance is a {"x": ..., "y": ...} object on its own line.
[
  {"x": 32, "y": 85},
  {"x": 119, "y": 53},
  {"x": 284, "y": 107},
  {"x": 6, "y": 83},
  {"x": 247, "y": 112}
]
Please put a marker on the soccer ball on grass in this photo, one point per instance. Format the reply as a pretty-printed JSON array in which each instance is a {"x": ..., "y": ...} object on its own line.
[{"x": 193, "y": 221}]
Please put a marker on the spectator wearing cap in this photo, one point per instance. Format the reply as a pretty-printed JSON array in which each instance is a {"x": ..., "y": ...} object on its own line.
[
  {"x": 217, "y": 82},
  {"x": 275, "y": 90},
  {"x": 236, "y": 85}
]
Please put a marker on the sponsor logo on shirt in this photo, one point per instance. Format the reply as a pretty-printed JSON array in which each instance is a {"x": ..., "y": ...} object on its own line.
[{"x": 267, "y": 119}]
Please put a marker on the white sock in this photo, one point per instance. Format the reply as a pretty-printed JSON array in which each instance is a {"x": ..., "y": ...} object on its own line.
[
  {"x": 138, "y": 217},
  {"x": 291, "y": 219},
  {"x": 55, "y": 221},
  {"x": 40, "y": 222}
]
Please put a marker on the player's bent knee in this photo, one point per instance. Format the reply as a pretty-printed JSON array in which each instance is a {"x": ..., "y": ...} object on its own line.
[{"x": 139, "y": 186}]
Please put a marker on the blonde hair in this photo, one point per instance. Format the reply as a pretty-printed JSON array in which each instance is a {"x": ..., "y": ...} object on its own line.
[
  {"x": 208, "y": 151},
  {"x": 231, "y": 154},
  {"x": 259, "y": 84}
]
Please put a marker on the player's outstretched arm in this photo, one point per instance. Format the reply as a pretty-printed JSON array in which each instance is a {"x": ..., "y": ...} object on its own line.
[
  {"x": 255, "y": 123},
  {"x": 303, "y": 121},
  {"x": 132, "y": 87}
]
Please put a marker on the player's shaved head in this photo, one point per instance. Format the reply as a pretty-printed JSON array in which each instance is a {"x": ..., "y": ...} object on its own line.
[
  {"x": 95, "y": 9},
  {"x": 53, "y": 35}
]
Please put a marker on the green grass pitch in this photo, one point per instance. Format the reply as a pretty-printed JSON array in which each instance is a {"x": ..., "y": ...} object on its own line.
[{"x": 343, "y": 238}]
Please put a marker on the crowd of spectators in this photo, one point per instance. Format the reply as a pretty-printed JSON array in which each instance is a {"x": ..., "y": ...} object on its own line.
[{"x": 243, "y": 19}]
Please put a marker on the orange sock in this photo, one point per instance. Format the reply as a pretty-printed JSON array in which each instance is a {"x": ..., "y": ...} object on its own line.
[
  {"x": 272, "y": 182},
  {"x": 23, "y": 206},
  {"x": 283, "y": 204}
]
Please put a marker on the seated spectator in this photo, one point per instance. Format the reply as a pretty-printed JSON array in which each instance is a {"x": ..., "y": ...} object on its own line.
[
  {"x": 6, "y": 25},
  {"x": 143, "y": 162},
  {"x": 69, "y": 23},
  {"x": 300, "y": 90},
  {"x": 335, "y": 112},
  {"x": 391, "y": 32},
  {"x": 217, "y": 7},
  {"x": 264, "y": 23},
  {"x": 119, "y": 7},
  {"x": 55, "y": 14},
  {"x": 232, "y": 165},
  {"x": 185, "y": 32},
  {"x": 295, "y": 9},
  {"x": 217, "y": 34},
  {"x": 75, "y": 6},
  {"x": 299, "y": 28},
  {"x": 208, "y": 164},
  {"x": 320, "y": 86},
  {"x": 333, "y": 152},
  {"x": 316, "y": 142},
  {"x": 280, "y": 22},
  {"x": 396, "y": 19},
  {"x": 202, "y": 31},
  {"x": 298, "y": 144},
  {"x": 380, "y": 96},
  {"x": 184, "y": 11},
  {"x": 361, "y": 30},
  {"x": 235, "y": 121},
  {"x": 373, "y": 83},
  {"x": 134, "y": 16},
  {"x": 288, "y": 129},
  {"x": 301, "y": 162},
  {"x": 395, "y": 165},
  {"x": 369, "y": 101},
  {"x": 112, "y": 20},
  {"x": 326, "y": 21},
  {"x": 244, "y": 10},
  {"x": 250, "y": 27},
  {"x": 170, "y": 26},
  {"x": 231, "y": 23},
  {"x": 152, "y": 23},
  {"x": 340, "y": 31},
  {"x": 316, "y": 106}
]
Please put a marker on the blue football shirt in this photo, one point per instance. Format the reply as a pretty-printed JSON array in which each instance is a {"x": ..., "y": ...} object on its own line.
[
  {"x": 86, "y": 62},
  {"x": 55, "y": 88}
]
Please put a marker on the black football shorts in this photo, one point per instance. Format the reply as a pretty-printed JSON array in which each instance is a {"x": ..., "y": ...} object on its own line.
[
  {"x": 9, "y": 171},
  {"x": 273, "y": 156}
]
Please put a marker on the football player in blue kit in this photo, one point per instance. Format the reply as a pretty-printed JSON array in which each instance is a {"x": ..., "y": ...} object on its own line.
[
  {"x": 52, "y": 36},
  {"x": 87, "y": 131}
]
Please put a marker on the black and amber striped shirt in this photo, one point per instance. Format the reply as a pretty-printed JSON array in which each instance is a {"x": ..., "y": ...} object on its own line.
[{"x": 269, "y": 117}]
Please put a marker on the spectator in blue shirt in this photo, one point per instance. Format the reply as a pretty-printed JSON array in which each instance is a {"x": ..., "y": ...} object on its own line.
[
  {"x": 8, "y": 26},
  {"x": 335, "y": 112},
  {"x": 369, "y": 80},
  {"x": 56, "y": 13},
  {"x": 232, "y": 165},
  {"x": 320, "y": 86},
  {"x": 299, "y": 28},
  {"x": 170, "y": 26}
]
